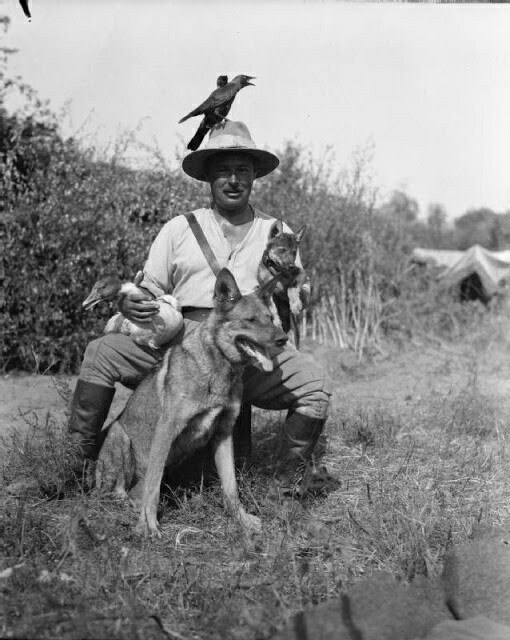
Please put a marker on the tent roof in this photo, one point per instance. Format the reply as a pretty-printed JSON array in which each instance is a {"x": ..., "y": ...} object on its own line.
[{"x": 491, "y": 266}]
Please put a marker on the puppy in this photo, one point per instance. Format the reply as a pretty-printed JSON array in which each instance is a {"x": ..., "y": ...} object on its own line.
[{"x": 279, "y": 260}]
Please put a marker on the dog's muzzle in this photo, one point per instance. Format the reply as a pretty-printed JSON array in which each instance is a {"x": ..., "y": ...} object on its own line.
[{"x": 275, "y": 269}]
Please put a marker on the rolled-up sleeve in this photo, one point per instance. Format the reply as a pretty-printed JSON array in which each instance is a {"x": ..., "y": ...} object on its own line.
[{"x": 157, "y": 272}]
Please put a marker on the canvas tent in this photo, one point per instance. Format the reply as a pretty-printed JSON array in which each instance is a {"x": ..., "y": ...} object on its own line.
[{"x": 477, "y": 272}]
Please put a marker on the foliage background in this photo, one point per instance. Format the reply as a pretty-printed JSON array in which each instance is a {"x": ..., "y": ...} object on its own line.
[{"x": 70, "y": 211}]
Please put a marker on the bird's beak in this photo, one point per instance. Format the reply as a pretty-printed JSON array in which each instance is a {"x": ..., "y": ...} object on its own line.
[
  {"x": 91, "y": 301},
  {"x": 251, "y": 78}
]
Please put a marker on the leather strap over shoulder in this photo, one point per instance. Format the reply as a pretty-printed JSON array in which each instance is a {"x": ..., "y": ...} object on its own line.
[{"x": 202, "y": 242}]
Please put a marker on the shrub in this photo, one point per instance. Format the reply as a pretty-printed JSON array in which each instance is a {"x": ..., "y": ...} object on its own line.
[{"x": 61, "y": 228}]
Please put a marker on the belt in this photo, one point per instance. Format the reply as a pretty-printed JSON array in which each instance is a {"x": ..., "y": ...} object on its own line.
[{"x": 199, "y": 314}]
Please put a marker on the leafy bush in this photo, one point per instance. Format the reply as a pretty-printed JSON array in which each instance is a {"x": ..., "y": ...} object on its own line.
[{"x": 81, "y": 219}]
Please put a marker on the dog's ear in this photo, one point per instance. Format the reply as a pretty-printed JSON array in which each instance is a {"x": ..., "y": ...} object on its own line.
[
  {"x": 267, "y": 289},
  {"x": 299, "y": 235},
  {"x": 226, "y": 291},
  {"x": 276, "y": 229}
]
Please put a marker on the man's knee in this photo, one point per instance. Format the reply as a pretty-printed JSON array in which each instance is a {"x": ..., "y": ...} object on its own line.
[
  {"x": 97, "y": 365},
  {"x": 297, "y": 383},
  {"x": 316, "y": 391},
  {"x": 115, "y": 357},
  {"x": 314, "y": 404}
]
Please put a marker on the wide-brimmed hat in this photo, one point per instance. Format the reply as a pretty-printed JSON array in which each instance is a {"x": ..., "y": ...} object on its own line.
[{"x": 229, "y": 136}]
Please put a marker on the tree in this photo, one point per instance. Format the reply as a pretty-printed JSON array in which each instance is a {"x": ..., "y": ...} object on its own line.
[
  {"x": 477, "y": 226},
  {"x": 436, "y": 222},
  {"x": 401, "y": 212},
  {"x": 401, "y": 207}
]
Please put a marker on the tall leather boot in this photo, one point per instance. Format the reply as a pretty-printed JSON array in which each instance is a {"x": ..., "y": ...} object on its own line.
[
  {"x": 296, "y": 471},
  {"x": 89, "y": 409}
]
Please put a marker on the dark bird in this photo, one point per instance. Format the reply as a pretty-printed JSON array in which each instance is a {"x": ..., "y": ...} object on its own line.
[
  {"x": 217, "y": 105},
  {"x": 209, "y": 120},
  {"x": 24, "y": 6}
]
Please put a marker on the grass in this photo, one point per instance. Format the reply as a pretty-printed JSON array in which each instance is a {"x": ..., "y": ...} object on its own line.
[{"x": 416, "y": 476}]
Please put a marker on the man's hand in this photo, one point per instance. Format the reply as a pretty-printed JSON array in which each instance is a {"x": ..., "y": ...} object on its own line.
[{"x": 137, "y": 308}]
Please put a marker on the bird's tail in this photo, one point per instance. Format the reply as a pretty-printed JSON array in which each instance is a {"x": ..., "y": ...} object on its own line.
[
  {"x": 26, "y": 10},
  {"x": 196, "y": 140}
]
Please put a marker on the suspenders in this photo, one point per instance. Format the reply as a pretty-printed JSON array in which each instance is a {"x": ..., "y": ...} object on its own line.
[{"x": 202, "y": 242}]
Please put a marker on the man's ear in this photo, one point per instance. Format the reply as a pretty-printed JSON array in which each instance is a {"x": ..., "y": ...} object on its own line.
[
  {"x": 276, "y": 229},
  {"x": 299, "y": 235},
  {"x": 226, "y": 291}
]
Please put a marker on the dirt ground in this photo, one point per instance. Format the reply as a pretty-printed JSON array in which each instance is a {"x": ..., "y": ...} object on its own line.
[{"x": 396, "y": 378}]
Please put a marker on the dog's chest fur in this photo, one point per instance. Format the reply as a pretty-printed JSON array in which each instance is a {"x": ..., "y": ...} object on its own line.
[{"x": 195, "y": 390}]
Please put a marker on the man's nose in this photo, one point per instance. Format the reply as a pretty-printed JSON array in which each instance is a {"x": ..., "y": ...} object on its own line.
[{"x": 233, "y": 179}]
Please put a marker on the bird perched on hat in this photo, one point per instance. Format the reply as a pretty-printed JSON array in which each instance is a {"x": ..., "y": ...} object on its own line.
[
  {"x": 217, "y": 106},
  {"x": 209, "y": 120}
]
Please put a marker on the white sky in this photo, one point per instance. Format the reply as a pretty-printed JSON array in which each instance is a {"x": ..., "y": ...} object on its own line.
[{"x": 428, "y": 85}]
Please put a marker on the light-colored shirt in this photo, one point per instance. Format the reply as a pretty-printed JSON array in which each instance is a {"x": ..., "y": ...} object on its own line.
[{"x": 177, "y": 265}]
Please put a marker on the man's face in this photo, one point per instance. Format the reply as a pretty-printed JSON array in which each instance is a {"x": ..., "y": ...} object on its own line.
[{"x": 231, "y": 177}]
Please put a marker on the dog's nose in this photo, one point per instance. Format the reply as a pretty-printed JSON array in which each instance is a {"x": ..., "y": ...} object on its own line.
[{"x": 281, "y": 340}]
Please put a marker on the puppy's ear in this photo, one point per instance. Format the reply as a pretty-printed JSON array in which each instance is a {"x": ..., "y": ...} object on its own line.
[
  {"x": 276, "y": 229},
  {"x": 226, "y": 291},
  {"x": 266, "y": 291},
  {"x": 299, "y": 235}
]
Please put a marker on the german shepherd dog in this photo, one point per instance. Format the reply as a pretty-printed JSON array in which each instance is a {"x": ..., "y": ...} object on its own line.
[
  {"x": 191, "y": 398},
  {"x": 279, "y": 260}
]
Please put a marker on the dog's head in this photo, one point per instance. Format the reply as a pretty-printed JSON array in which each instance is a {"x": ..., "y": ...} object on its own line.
[
  {"x": 281, "y": 251},
  {"x": 244, "y": 329}
]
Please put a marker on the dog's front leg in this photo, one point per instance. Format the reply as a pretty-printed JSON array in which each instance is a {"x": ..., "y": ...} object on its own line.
[
  {"x": 294, "y": 293},
  {"x": 224, "y": 460},
  {"x": 160, "y": 448},
  {"x": 294, "y": 301}
]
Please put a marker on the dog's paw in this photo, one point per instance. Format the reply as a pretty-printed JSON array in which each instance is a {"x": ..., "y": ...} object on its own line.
[
  {"x": 155, "y": 532},
  {"x": 143, "y": 529},
  {"x": 148, "y": 527},
  {"x": 251, "y": 523}
]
